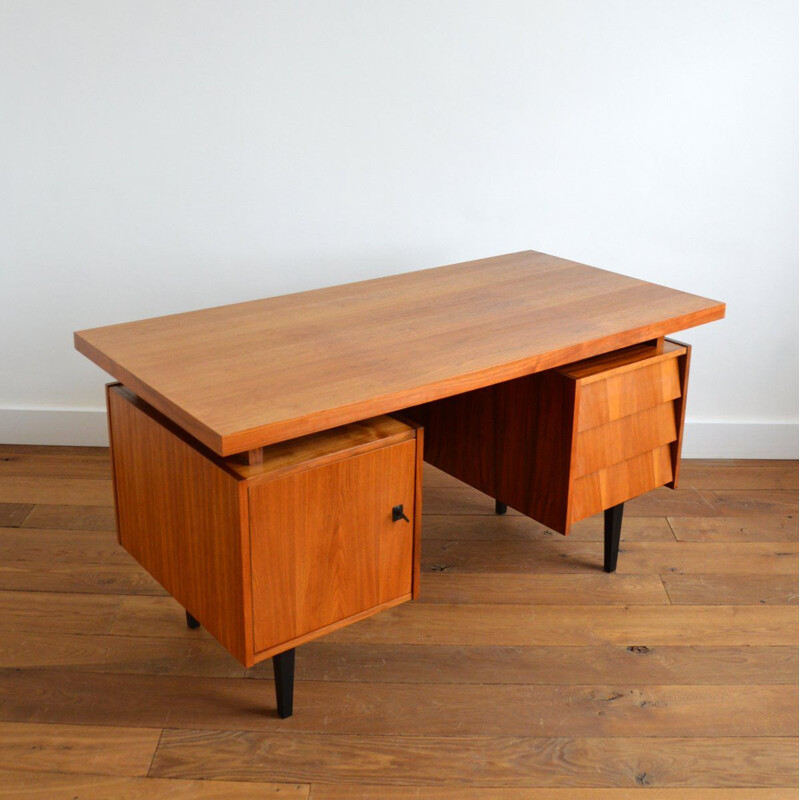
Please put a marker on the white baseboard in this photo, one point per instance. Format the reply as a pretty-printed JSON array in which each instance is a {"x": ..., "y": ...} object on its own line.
[
  {"x": 81, "y": 426},
  {"x": 740, "y": 440},
  {"x": 701, "y": 439}
]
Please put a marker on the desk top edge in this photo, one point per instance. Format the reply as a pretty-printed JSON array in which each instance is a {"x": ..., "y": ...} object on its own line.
[{"x": 227, "y": 441}]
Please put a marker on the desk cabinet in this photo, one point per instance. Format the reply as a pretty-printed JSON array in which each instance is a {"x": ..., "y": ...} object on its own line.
[
  {"x": 324, "y": 546},
  {"x": 322, "y": 532},
  {"x": 567, "y": 443}
]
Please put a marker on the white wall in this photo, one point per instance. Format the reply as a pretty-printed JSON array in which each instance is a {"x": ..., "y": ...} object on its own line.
[{"x": 164, "y": 155}]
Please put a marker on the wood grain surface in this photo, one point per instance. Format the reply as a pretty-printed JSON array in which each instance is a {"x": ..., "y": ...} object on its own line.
[
  {"x": 564, "y": 444},
  {"x": 50, "y": 785},
  {"x": 522, "y": 673},
  {"x": 324, "y": 547},
  {"x": 180, "y": 517},
  {"x": 629, "y": 392},
  {"x": 332, "y": 356},
  {"x": 265, "y": 553}
]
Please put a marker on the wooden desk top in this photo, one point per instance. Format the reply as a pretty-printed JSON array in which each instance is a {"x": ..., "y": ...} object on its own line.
[{"x": 250, "y": 374}]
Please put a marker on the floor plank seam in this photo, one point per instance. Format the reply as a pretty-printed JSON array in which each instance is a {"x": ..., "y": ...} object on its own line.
[
  {"x": 113, "y": 620},
  {"x": 672, "y": 529},
  {"x": 155, "y": 751},
  {"x": 449, "y": 684},
  {"x": 666, "y": 590},
  {"x": 269, "y": 729}
]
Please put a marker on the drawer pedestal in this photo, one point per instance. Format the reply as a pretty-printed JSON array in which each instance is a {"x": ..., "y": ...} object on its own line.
[{"x": 567, "y": 443}]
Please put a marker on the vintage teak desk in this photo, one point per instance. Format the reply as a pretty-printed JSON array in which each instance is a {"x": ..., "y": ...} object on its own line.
[{"x": 267, "y": 456}]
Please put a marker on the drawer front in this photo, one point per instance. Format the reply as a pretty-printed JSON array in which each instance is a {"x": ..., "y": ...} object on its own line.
[
  {"x": 605, "y": 445},
  {"x": 324, "y": 547},
  {"x": 626, "y": 393},
  {"x": 620, "y": 482}
]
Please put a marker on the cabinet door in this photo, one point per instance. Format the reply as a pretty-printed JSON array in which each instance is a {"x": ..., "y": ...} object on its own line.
[{"x": 324, "y": 547}]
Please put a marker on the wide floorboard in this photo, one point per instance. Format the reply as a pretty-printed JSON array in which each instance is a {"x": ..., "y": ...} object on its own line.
[{"x": 523, "y": 672}]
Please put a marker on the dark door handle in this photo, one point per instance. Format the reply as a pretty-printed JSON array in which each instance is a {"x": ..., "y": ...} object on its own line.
[{"x": 397, "y": 514}]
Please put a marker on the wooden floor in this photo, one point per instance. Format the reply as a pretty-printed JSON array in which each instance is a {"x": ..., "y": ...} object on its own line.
[{"x": 523, "y": 673}]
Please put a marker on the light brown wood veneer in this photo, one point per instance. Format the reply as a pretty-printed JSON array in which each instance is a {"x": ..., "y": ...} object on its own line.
[
  {"x": 249, "y": 374},
  {"x": 269, "y": 555},
  {"x": 564, "y": 444}
]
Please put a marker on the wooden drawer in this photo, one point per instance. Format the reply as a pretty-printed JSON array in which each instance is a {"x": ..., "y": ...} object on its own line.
[
  {"x": 624, "y": 438},
  {"x": 629, "y": 418},
  {"x": 608, "y": 397},
  {"x": 621, "y": 481},
  {"x": 271, "y": 554}
]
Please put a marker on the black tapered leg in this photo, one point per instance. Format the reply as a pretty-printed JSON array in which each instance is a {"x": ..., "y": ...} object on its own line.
[
  {"x": 191, "y": 621},
  {"x": 283, "y": 667},
  {"x": 500, "y": 508},
  {"x": 613, "y": 528}
]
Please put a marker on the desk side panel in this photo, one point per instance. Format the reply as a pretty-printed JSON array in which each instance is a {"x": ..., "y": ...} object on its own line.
[
  {"x": 179, "y": 516},
  {"x": 460, "y": 436},
  {"x": 535, "y": 446},
  {"x": 513, "y": 441},
  {"x": 680, "y": 413}
]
